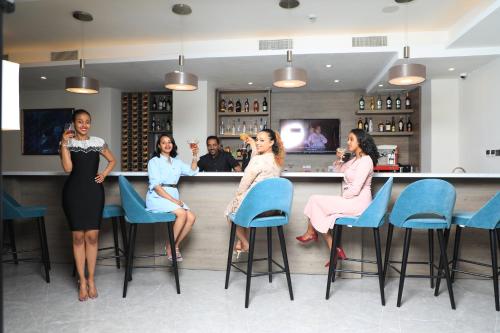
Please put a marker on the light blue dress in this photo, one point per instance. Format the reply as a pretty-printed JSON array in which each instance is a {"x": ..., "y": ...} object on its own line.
[{"x": 162, "y": 170}]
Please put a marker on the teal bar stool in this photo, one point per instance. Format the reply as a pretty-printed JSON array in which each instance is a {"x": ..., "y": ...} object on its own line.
[
  {"x": 115, "y": 214},
  {"x": 486, "y": 218},
  {"x": 266, "y": 205},
  {"x": 373, "y": 217},
  {"x": 12, "y": 211},
  {"x": 136, "y": 214},
  {"x": 426, "y": 205}
]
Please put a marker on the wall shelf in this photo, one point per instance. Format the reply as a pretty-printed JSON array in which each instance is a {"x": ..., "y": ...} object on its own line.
[
  {"x": 383, "y": 112},
  {"x": 391, "y": 133}
]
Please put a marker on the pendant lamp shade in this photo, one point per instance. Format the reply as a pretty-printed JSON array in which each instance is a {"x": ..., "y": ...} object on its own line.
[
  {"x": 180, "y": 80},
  {"x": 82, "y": 84},
  {"x": 289, "y": 76},
  {"x": 10, "y": 96},
  {"x": 407, "y": 74}
]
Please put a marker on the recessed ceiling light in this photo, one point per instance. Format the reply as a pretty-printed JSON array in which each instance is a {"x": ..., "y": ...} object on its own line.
[
  {"x": 381, "y": 85},
  {"x": 43, "y": 77},
  {"x": 328, "y": 66},
  {"x": 336, "y": 81},
  {"x": 451, "y": 69},
  {"x": 250, "y": 83}
]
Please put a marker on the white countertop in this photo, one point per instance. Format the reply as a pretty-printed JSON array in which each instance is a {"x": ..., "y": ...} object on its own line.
[{"x": 284, "y": 174}]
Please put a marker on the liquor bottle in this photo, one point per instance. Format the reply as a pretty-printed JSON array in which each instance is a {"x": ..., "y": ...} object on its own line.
[
  {"x": 372, "y": 103},
  {"x": 398, "y": 103},
  {"x": 360, "y": 123},
  {"x": 265, "y": 124},
  {"x": 153, "y": 124},
  {"x": 379, "y": 103},
  {"x": 365, "y": 125},
  {"x": 388, "y": 103},
  {"x": 168, "y": 107},
  {"x": 155, "y": 104},
  {"x": 409, "y": 125},
  {"x": 247, "y": 106},
  {"x": 401, "y": 125},
  {"x": 264, "y": 105},
  {"x": 255, "y": 127},
  {"x": 160, "y": 103},
  {"x": 230, "y": 106},
  {"x": 238, "y": 106},
  {"x": 222, "y": 105},
  {"x": 381, "y": 127},
  {"x": 233, "y": 129},
  {"x": 238, "y": 126},
  {"x": 244, "y": 129},
  {"x": 393, "y": 125},
  {"x": 407, "y": 101},
  {"x": 221, "y": 127},
  {"x": 361, "y": 103},
  {"x": 387, "y": 126},
  {"x": 158, "y": 127},
  {"x": 370, "y": 125},
  {"x": 169, "y": 126},
  {"x": 261, "y": 126},
  {"x": 255, "y": 105}
]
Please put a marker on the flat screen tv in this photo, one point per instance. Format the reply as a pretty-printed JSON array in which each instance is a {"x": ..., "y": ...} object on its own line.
[{"x": 310, "y": 136}]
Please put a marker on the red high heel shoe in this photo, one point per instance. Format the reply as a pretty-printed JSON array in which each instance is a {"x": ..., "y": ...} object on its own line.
[
  {"x": 307, "y": 239},
  {"x": 340, "y": 255}
]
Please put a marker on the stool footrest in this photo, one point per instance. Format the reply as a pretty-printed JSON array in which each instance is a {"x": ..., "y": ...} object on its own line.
[
  {"x": 234, "y": 264},
  {"x": 356, "y": 272}
]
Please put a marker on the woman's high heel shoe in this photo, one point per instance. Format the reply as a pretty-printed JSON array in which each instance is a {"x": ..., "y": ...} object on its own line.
[
  {"x": 340, "y": 255},
  {"x": 307, "y": 238}
]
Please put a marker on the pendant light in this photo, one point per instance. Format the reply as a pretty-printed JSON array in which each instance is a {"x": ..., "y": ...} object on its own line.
[
  {"x": 406, "y": 74},
  {"x": 289, "y": 76},
  {"x": 180, "y": 80},
  {"x": 82, "y": 84}
]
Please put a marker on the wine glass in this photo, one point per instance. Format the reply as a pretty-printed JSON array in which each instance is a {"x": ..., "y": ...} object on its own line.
[
  {"x": 193, "y": 143},
  {"x": 69, "y": 128},
  {"x": 341, "y": 151}
]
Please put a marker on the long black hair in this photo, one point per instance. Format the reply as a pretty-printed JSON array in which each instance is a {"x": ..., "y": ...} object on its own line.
[
  {"x": 367, "y": 144},
  {"x": 157, "y": 152}
]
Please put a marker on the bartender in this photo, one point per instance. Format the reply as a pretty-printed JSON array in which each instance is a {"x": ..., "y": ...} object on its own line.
[{"x": 217, "y": 160}]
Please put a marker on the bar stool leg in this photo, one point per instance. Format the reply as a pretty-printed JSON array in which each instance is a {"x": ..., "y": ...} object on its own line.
[
  {"x": 431, "y": 256},
  {"x": 270, "y": 253},
  {"x": 249, "y": 265},
  {"x": 123, "y": 229},
  {"x": 404, "y": 262},
  {"x": 115, "y": 239},
  {"x": 44, "y": 233},
  {"x": 376, "y": 236},
  {"x": 388, "y": 249},
  {"x": 444, "y": 260},
  {"x": 174, "y": 255},
  {"x": 498, "y": 238},
  {"x": 42, "y": 247},
  {"x": 333, "y": 258},
  {"x": 494, "y": 266},
  {"x": 130, "y": 254},
  {"x": 456, "y": 248},
  {"x": 12, "y": 239},
  {"x": 440, "y": 269},
  {"x": 285, "y": 261},
  {"x": 339, "y": 243},
  {"x": 230, "y": 253}
]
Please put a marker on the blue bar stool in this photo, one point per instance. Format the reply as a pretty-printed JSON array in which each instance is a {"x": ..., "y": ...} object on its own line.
[
  {"x": 266, "y": 205},
  {"x": 135, "y": 214},
  {"x": 14, "y": 211},
  {"x": 486, "y": 218},
  {"x": 427, "y": 205},
  {"x": 373, "y": 217}
]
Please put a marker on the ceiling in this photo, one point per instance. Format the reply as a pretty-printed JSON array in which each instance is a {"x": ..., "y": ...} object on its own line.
[{"x": 48, "y": 25}]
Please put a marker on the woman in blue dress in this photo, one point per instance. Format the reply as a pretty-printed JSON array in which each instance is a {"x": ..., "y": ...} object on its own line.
[{"x": 164, "y": 171}]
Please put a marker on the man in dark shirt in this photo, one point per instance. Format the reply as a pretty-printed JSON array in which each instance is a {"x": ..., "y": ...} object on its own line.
[{"x": 217, "y": 160}]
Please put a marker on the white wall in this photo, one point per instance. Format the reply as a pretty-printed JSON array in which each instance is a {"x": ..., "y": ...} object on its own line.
[
  {"x": 479, "y": 119},
  {"x": 426, "y": 127},
  {"x": 190, "y": 119},
  {"x": 104, "y": 108}
]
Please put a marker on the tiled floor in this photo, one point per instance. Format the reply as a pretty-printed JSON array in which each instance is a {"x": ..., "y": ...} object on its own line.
[{"x": 204, "y": 305}]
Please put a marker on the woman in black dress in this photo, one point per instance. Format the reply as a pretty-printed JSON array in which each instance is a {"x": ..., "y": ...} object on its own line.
[{"x": 83, "y": 195}]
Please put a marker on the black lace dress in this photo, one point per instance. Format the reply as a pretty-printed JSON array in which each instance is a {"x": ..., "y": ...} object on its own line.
[{"x": 83, "y": 198}]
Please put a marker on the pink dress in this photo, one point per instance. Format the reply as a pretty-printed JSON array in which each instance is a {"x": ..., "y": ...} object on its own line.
[{"x": 324, "y": 210}]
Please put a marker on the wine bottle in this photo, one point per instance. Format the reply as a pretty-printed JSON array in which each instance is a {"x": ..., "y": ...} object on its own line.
[
  {"x": 222, "y": 105},
  {"x": 169, "y": 126},
  {"x": 387, "y": 126},
  {"x": 360, "y": 124},
  {"x": 168, "y": 107},
  {"x": 365, "y": 125},
  {"x": 407, "y": 102},
  {"x": 155, "y": 104},
  {"x": 255, "y": 106},
  {"x": 401, "y": 125},
  {"x": 409, "y": 125},
  {"x": 265, "y": 124},
  {"x": 230, "y": 106},
  {"x": 247, "y": 106},
  {"x": 379, "y": 103},
  {"x": 398, "y": 103},
  {"x": 393, "y": 125},
  {"x": 238, "y": 106},
  {"x": 153, "y": 124},
  {"x": 388, "y": 103},
  {"x": 361, "y": 103},
  {"x": 264, "y": 105}
]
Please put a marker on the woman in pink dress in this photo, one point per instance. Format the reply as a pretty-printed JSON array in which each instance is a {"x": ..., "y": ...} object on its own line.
[{"x": 323, "y": 210}]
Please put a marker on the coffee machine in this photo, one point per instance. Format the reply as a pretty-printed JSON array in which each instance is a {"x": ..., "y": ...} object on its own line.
[{"x": 388, "y": 160}]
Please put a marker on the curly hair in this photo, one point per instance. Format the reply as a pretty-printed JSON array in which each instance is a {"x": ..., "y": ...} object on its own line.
[
  {"x": 367, "y": 144},
  {"x": 278, "y": 148},
  {"x": 157, "y": 152}
]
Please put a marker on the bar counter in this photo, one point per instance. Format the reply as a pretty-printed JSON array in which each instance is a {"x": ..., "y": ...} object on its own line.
[{"x": 208, "y": 195}]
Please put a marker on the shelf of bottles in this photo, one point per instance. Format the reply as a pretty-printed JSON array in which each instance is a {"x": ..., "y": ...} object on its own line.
[
  {"x": 135, "y": 120},
  {"x": 382, "y": 106},
  {"x": 160, "y": 116},
  {"x": 241, "y": 111}
]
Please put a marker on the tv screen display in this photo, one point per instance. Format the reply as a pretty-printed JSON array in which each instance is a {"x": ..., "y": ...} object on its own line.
[{"x": 310, "y": 136}]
